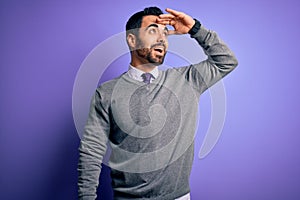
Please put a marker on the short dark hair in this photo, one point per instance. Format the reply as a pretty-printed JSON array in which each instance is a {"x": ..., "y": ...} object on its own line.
[{"x": 135, "y": 21}]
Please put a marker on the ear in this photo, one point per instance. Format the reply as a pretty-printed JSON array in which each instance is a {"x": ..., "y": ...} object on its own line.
[{"x": 131, "y": 40}]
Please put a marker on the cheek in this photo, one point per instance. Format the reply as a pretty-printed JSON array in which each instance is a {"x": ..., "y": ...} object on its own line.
[
  {"x": 142, "y": 44},
  {"x": 146, "y": 42},
  {"x": 166, "y": 42},
  {"x": 143, "y": 52}
]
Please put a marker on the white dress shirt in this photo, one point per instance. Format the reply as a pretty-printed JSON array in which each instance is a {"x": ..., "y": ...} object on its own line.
[{"x": 136, "y": 73}]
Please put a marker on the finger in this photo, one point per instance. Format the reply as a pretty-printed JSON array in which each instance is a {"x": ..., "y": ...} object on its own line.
[
  {"x": 172, "y": 32},
  {"x": 165, "y": 22},
  {"x": 172, "y": 22},
  {"x": 166, "y": 16},
  {"x": 173, "y": 12}
]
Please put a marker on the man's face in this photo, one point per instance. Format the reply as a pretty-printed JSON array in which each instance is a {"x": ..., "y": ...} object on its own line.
[{"x": 152, "y": 41}]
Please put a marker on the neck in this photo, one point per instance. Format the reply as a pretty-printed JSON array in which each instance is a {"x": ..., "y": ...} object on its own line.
[{"x": 142, "y": 65}]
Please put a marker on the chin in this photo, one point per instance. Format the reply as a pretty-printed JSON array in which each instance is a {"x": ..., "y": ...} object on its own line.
[{"x": 156, "y": 61}]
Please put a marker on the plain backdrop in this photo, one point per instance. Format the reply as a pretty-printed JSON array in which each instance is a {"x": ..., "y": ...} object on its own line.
[{"x": 43, "y": 44}]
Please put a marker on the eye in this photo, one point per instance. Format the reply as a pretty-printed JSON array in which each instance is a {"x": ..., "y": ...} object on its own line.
[
  {"x": 152, "y": 31},
  {"x": 165, "y": 33}
]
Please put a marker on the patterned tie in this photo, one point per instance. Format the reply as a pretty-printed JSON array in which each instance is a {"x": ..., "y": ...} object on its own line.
[{"x": 146, "y": 77}]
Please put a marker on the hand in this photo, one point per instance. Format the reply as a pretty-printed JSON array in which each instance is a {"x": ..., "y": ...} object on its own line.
[{"x": 181, "y": 22}]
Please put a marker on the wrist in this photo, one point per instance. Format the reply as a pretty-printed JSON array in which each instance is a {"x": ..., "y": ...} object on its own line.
[{"x": 195, "y": 28}]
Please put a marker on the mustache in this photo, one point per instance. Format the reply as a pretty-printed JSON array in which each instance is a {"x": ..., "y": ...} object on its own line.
[{"x": 158, "y": 44}]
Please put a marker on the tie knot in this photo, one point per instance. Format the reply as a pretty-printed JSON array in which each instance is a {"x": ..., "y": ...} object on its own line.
[{"x": 147, "y": 77}]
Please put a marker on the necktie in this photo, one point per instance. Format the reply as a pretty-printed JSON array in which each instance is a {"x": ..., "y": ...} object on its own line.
[{"x": 146, "y": 77}]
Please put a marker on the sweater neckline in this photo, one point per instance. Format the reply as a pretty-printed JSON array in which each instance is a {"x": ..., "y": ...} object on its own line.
[{"x": 155, "y": 81}]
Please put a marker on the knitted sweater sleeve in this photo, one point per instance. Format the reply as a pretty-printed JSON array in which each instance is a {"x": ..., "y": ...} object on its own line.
[
  {"x": 219, "y": 63},
  {"x": 92, "y": 148}
]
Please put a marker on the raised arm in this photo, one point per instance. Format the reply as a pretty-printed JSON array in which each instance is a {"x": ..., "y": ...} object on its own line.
[{"x": 221, "y": 59}]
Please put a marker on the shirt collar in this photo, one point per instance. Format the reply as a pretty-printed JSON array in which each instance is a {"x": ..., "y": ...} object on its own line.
[{"x": 136, "y": 73}]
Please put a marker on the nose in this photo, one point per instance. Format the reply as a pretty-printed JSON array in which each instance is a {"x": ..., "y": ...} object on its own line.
[
  {"x": 161, "y": 40},
  {"x": 162, "y": 36}
]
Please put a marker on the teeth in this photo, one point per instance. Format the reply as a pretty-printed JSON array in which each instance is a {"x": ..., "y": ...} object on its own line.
[{"x": 160, "y": 49}]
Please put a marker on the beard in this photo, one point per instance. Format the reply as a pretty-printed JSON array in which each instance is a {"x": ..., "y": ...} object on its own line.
[{"x": 152, "y": 55}]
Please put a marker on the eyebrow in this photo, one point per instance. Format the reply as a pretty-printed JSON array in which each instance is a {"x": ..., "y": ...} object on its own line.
[{"x": 155, "y": 25}]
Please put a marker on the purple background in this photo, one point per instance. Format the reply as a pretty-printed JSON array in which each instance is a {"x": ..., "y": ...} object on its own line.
[{"x": 43, "y": 44}]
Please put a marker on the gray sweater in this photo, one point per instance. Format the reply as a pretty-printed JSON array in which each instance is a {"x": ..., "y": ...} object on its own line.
[{"x": 149, "y": 128}]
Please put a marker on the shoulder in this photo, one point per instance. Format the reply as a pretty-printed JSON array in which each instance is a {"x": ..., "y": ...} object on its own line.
[
  {"x": 178, "y": 71},
  {"x": 108, "y": 86},
  {"x": 105, "y": 89}
]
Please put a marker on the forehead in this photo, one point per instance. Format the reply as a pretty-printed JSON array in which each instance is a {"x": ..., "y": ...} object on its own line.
[{"x": 150, "y": 19}]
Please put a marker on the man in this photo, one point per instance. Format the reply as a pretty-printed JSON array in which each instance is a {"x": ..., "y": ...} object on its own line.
[{"x": 148, "y": 116}]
